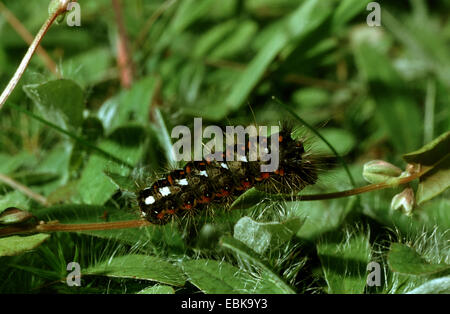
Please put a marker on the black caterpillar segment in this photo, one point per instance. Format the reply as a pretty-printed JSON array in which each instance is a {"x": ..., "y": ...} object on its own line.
[{"x": 201, "y": 183}]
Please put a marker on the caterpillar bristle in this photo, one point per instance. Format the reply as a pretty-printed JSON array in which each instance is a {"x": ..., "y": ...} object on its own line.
[{"x": 183, "y": 193}]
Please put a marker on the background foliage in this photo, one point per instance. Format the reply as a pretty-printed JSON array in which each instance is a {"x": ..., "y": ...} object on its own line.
[{"x": 373, "y": 92}]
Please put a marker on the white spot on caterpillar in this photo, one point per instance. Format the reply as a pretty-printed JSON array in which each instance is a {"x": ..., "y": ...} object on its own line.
[
  {"x": 164, "y": 191},
  {"x": 182, "y": 182},
  {"x": 224, "y": 165},
  {"x": 203, "y": 173},
  {"x": 149, "y": 200}
]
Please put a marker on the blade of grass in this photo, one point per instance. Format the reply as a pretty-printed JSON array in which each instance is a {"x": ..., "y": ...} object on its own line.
[
  {"x": 247, "y": 253},
  {"x": 74, "y": 137}
]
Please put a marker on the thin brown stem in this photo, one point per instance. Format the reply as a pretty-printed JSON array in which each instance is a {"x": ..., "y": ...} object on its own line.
[
  {"x": 356, "y": 191},
  {"x": 57, "y": 227},
  {"x": 28, "y": 38},
  {"x": 24, "y": 189},
  {"x": 123, "y": 55},
  {"x": 93, "y": 226},
  {"x": 31, "y": 50}
]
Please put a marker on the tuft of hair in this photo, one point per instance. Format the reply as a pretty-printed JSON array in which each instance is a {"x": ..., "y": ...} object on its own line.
[{"x": 300, "y": 163}]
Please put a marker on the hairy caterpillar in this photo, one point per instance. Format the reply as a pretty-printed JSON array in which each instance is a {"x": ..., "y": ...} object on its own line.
[{"x": 201, "y": 183}]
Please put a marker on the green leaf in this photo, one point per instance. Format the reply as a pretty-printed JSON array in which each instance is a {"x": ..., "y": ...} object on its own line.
[
  {"x": 92, "y": 129},
  {"x": 344, "y": 263},
  {"x": 13, "y": 199},
  {"x": 129, "y": 106},
  {"x": 124, "y": 183},
  {"x": 188, "y": 12},
  {"x": 165, "y": 138},
  {"x": 95, "y": 187},
  {"x": 344, "y": 141},
  {"x": 433, "y": 214},
  {"x": 405, "y": 260},
  {"x": 431, "y": 152},
  {"x": 308, "y": 17},
  {"x": 9, "y": 164},
  {"x": 436, "y": 154},
  {"x": 63, "y": 193},
  {"x": 82, "y": 213},
  {"x": 60, "y": 101},
  {"x": 397, "y": 114},
  {"x": 434, "y": 181},
  {"x": 89, "y": 67},
  {"x": 310, "y": 97},
  {"x": 253, "y": 257},
  {"x": 157, "y": 289},
  {"x": 348, "y": 9},
  {"x": 321, "y": 217},
  {"x": 236, "y": 41},
  {"x": 262, "y": 236},
  {"x": 210, "y": 39},
  {"x": 424, "y": 42},
  {"x": 435, "y": 286},
  {"x": 248, "y": 199},
  {"x": 16, "y": 245},
  {"x": 217, "y": 277},
  {"x": 139, "y": 267}
]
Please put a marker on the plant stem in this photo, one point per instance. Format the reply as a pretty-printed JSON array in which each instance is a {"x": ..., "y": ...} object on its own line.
[
  {"x": 26, "y": 60},
  {"x": 22, "y": 188},
  {"x": 356, "y": 191},
  {"x": 124, "y": 60},
  {"x": 430, "y": 103},
  {"x": 57, "y": 227},
  {"x": 31, "y": 50},
  {"x": 93, "y": 226},
  {"x": 28, "y": 38}
]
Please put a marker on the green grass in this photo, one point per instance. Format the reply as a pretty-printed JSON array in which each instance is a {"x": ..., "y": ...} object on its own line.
[{"x": 82, "y": 142}]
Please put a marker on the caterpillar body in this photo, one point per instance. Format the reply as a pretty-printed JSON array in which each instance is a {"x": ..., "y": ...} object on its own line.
[{"x": 201, "y": 183}]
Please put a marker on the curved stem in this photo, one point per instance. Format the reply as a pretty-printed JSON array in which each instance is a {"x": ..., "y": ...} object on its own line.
[
  {"x": 24, "y": 189},
  {"x": 57, "y": 227},
  {"x": 60, "y": 9},
  {"x": 26, "y": 59},
  {"x": 356, "y": 191},
  {"x": 28, "y": 38}
]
